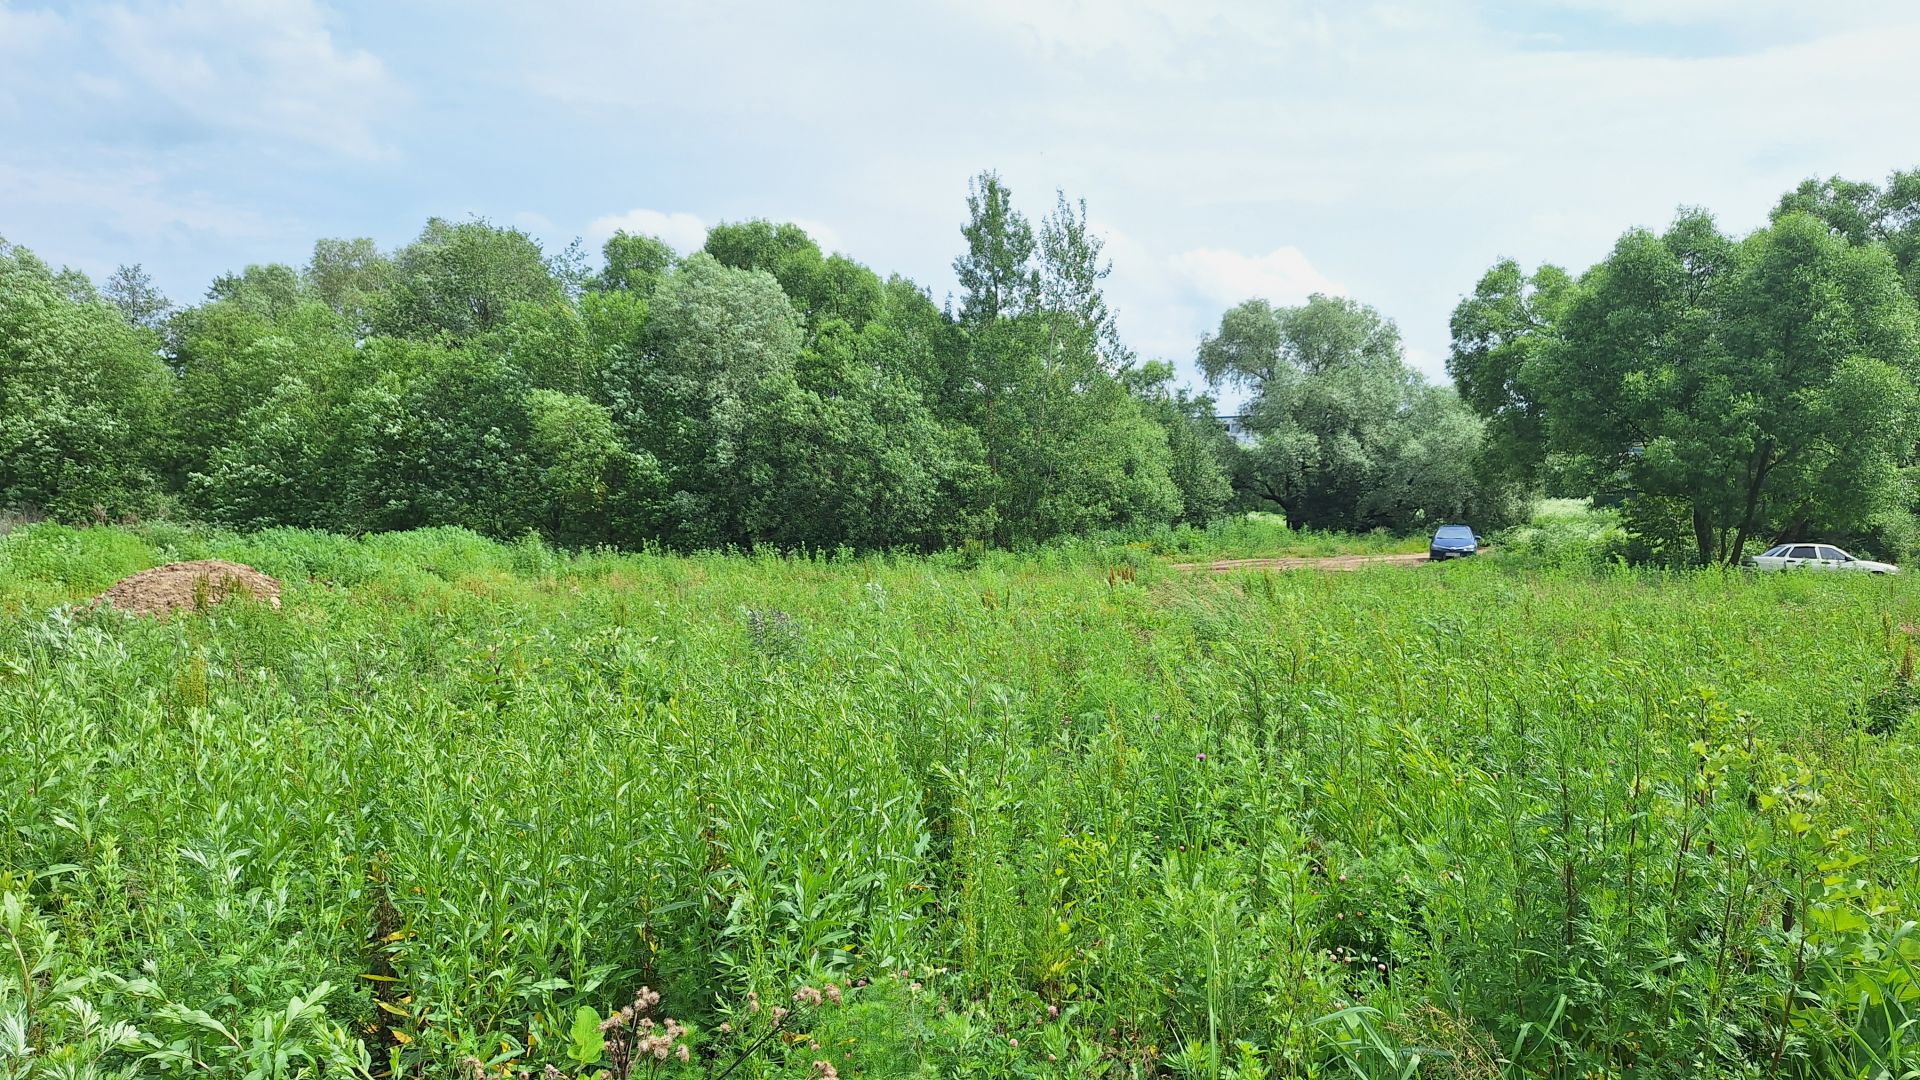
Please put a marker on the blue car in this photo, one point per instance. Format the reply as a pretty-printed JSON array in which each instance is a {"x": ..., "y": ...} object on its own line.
[{"x": 1452, "y": 542}]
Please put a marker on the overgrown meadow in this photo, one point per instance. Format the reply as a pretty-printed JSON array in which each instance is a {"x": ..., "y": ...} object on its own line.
[{"x": 1070, "y": 813}]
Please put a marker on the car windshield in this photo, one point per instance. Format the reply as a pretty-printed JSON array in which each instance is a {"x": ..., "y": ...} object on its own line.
[{"x": 1453, "y": 532}]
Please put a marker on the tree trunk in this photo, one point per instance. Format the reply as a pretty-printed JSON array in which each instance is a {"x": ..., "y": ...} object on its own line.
[
  {"x": 1754, "y": 485},
  {"x": 1704, "y": 535}
]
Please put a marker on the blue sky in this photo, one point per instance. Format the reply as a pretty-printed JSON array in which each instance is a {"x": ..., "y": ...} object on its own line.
[{"x": 1387, "y": 151}]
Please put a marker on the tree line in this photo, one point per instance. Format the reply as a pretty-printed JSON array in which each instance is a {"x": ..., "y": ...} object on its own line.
[
  {"x": 756, "y": 392},
  {"x": 760, "y": 392},
  {"x": 1726, "y": 391}
]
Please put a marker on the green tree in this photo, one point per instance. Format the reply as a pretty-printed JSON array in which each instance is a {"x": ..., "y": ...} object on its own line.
[
  {"x": 550, "y": 343},
  {"x": 441, "y": 438},
  {"x": 718, "y": 345},
  {"x": 821, "y": 287},
  {"x": 232, "y": 354},
  {"x": 1072, "y": 266},
  {"x": 1326, "y": 384},
  {"x": 1343, "y": 434},
  {"x": 1734, "y": 377},
  {"x": 1201, "y": 452},
  {"x": 459, "y": 281},
  {"x": 271, "y": 291},
  {"x": 1068, "y": 448},
  {"x": 352, "y": 277},
  {"x": 1863, "y": 213},
  {"x": 634, "y": 263},
  {"x": 83, "y": 397},
  {"x": 860, "y": 463},
  {"x": 996, "y": 274},
  {"x": 132, "y": 291},
  {"x": 594, "y": 490},
  {"x": 1498, "y": 332},
  {"x": 1435, "y": 469},
  {"x": 276, "y": 469},
  {"x": 912, "y": 339}
]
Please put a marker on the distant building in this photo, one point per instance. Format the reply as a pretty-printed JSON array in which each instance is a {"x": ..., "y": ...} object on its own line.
[{"x": 1236, "y": 425}]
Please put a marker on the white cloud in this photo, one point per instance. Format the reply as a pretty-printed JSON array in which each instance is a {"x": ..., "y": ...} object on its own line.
[
  {"x": 136, "y": 202},
  {"x": 533, "y": 221},
  {"x": 1682, "y": 12},
  {"x": 260, "y": 67},
  {"x": 23, "y": 31},
  {"x": 1426, "y": 363},
  {"x": 1284, "y": 276},
  {"x": 1154, "y": 36},
  {"x": 1405, "y": 143},
  {"x": 822, "y": 233},
  {"x": 684, "y": 232}
]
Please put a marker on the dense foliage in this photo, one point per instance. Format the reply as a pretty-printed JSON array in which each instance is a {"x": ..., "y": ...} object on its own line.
[
  {"x": 1483, "y": 820},
  {"x": 1730, "y": 391},
  {"x": 758, "y": 392},
  {"x": 1344, "y": 433}
]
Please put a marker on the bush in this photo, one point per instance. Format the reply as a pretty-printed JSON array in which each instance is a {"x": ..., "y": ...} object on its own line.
[{"x": 1566, "y": 533}]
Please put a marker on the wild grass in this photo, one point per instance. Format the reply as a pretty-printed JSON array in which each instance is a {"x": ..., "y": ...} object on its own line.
[
  {"x": 1257, "y": 535},
  {"x": 1568, "y": 533},
  {"x": 1033, "y": 819}
]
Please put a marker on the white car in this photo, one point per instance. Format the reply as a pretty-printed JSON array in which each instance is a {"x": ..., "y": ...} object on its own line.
[{"x": 1817, "y": 557}]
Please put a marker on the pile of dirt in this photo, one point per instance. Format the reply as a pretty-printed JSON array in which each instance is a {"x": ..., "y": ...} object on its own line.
[{"x": 188, "y": 586}]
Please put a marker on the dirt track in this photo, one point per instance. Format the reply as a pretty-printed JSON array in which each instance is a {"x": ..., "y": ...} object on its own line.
[{"x": 1330, "y": 562}]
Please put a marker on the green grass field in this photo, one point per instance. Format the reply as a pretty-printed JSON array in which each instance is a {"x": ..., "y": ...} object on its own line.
[{"x": 1024, "y": 816}]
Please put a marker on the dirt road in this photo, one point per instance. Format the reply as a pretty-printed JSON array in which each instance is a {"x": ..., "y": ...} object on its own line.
[{"x": 1329, "y": 562}]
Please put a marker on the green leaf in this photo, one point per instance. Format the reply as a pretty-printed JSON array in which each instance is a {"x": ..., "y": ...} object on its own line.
[{"x": 588, "y": 1042}]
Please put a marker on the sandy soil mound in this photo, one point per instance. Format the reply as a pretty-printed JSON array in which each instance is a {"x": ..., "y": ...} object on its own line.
[{"x": 188, "y": 586}]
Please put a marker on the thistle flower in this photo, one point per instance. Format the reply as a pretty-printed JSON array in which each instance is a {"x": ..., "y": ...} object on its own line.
[{"x": 833, "y": 993}]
